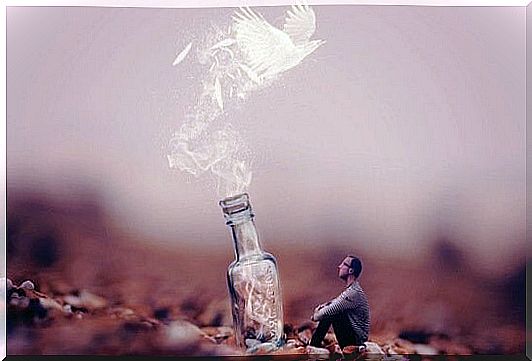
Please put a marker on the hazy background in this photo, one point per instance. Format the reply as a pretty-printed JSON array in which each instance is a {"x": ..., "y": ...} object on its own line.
[{"x": 408, "y": 124}]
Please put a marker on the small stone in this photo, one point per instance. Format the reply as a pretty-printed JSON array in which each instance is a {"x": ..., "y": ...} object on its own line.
[
  {"x": 422, "y": 349},
  {"x": 390, "y": 349},
  {"x": 291, "y": 343},
  {"x": 122, "y": 312},
  {"x": 86, "y": 300},
  {"x": 373, "y": 348},
  {"x": 291, "y": 347},
  {"x": 67, "y": 308},
  {"x": 251, "y": 342},
  {"x": 20, "y": 302},
  {"x": 288, "y": 346},
  {"x": 262, "y": 348},
  {"x": 404, "y": 345},
  {"x": 50, "y": 303},
  {"x": 181, "y": 334},
  {"x": 349, "y": 350},
  {"x": 28, "y": 285},
  {"x": 9, "y": 284},
  {"x": 219, "y": 334},
  {"x": 321, "y": 353},
  {"x": 402, "y": 351}
]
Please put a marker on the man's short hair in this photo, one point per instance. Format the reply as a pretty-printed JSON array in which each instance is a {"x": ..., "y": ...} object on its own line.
[{"x": 356, "y": 265}]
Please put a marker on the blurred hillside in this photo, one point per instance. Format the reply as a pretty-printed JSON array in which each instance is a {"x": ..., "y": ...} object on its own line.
[{"x": 68, "y": 247}]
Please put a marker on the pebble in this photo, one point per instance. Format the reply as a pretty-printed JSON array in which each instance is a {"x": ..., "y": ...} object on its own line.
[
  {"x": 373, "y": 348},
  {"x": 50, "y": 303},
  {"x": 122, "y": 312},
  {"x": 219, "y": 334},
  {"x": 181, "y": 334},
  {"x": 9, "y": 284},
  {"x": 349, "y": 350},
  {"x": 28, "y": 285},
  {"x": 311, "y": 350},
  {"x": 291, "y": 347},
  {"x": 262, "y": 348},
  {"x": 290, "y": 344},
  {"x": 251, "y": 342},
  {"x": 404, "y": 346},
  {"x": 424, "y": 349},
  {"x": 20, "y": 302},
  {"x": 86, "y": 300}
]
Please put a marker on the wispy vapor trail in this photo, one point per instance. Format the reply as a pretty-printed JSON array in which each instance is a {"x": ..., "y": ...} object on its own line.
[{"x": 247, "y": 56}]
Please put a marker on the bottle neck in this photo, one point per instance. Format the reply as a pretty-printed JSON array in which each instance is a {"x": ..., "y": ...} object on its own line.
[
  {"x": 239, "y": 216},
  {"x": 246, "y": 239}
]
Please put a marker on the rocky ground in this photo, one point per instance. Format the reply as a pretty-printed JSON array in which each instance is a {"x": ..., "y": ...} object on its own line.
[
  {"x": 44, "y": 324},
  {"x": 78, "y": 285}
]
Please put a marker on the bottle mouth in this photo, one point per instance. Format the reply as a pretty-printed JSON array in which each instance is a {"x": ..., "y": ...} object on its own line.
[{"x": 236, "y": 208}]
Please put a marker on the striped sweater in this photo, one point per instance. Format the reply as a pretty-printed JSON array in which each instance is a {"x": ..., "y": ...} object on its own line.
[{"x": 349, "y": 315}]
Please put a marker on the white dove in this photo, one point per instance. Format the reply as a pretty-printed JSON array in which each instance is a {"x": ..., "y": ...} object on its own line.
[{"x": 269, "y": 51}]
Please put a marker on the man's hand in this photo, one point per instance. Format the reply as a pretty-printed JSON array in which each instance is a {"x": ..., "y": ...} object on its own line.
[{"x": 319, "y": 307}]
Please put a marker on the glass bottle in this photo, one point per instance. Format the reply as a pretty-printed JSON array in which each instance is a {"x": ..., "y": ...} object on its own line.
[{"x": 253, "y": 280}]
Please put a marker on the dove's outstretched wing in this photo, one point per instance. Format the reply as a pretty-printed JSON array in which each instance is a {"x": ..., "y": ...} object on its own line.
[
  {"x": 300, "y": 23},
  {"x": 262, "y": 43}
]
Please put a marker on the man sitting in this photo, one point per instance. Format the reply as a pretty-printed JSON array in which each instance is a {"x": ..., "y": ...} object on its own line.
[{"x": 348, "y": 313}]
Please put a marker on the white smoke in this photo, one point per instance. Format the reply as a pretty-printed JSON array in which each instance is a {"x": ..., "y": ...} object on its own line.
[{"x": 235, "y": 62}]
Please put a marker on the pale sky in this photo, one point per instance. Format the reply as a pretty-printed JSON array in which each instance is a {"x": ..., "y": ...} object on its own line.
[{"x": 409, "y": 119}]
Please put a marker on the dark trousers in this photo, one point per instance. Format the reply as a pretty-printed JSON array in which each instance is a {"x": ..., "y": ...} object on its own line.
[
  {"x": 321, "y": 331},
  {"x": 345, "y": 336}
]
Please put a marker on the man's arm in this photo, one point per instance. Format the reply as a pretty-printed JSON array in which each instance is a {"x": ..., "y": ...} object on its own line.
[{"x": 335, "y": 306}]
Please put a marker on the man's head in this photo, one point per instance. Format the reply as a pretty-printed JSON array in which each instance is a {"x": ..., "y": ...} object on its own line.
[{"x": 350, "y": 266}]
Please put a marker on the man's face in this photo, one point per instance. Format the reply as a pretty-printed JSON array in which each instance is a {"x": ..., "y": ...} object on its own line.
[{"x": 344, "y": 267}]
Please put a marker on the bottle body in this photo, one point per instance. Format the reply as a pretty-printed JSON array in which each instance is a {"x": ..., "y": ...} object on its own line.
[
  {"x": 256, "y": 300},
  {"x": 253, "y": 280}
]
